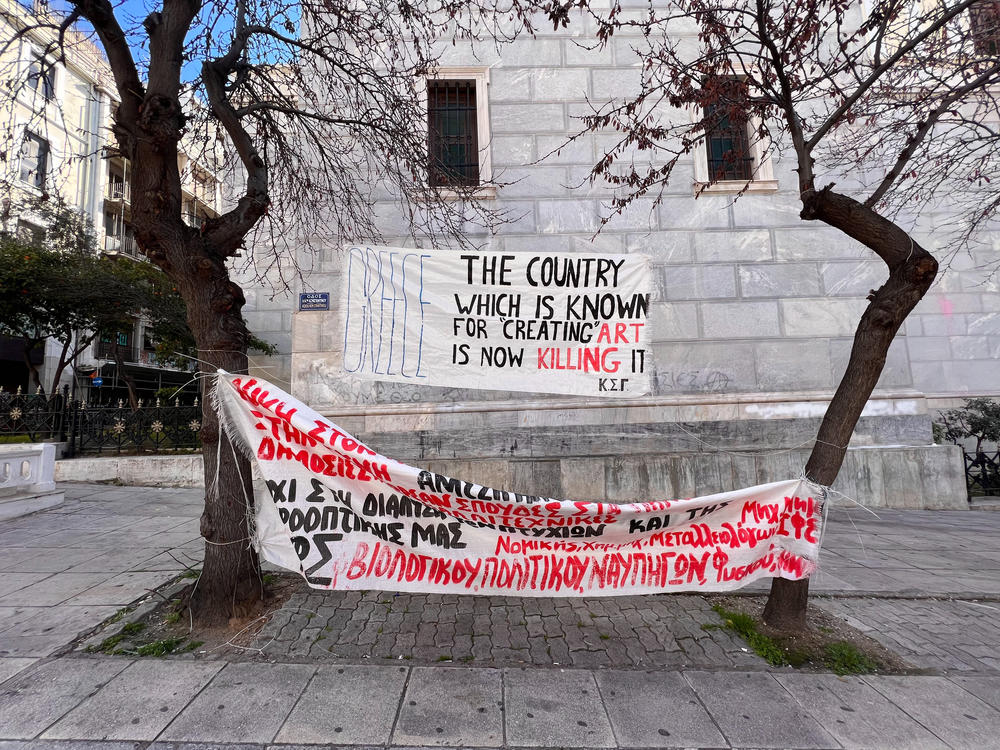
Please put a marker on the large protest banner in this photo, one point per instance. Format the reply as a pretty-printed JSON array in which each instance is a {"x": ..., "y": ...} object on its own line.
[
  {"x": 572, "y": 323},
  {"x": 348, "y": 518}
]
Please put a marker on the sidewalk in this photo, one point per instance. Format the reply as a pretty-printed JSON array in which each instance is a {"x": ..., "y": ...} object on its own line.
[{"x": 925, "y": 584}]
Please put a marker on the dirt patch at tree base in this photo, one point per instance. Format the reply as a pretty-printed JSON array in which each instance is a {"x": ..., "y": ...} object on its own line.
[
  {"x": 168, "y": 629},
  {"x": 828, "y": 644}
]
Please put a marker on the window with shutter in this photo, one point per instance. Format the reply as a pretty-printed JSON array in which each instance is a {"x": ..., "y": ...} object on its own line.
[{"x": 34, "y": 160}]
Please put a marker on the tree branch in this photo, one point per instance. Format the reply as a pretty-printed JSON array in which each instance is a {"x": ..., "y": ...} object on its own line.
[
  {"x": 787, "y": 103},
  {"x": 167, "y": 30},
  {"x": 101, "y": 16},
  {"x": 926, "y": 127},
  {"x": 227, "y": 232},
  {"x": 836, "y": 117}
]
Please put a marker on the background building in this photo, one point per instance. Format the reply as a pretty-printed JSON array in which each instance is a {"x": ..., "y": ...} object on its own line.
[{"x": 62, "y": 145}]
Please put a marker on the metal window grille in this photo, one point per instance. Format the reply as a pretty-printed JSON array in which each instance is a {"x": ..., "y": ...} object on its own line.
[
  {"x": 453, "y": 143},
  {"x": 984, "y": 21},
  {"x": 729, "y": 156}
]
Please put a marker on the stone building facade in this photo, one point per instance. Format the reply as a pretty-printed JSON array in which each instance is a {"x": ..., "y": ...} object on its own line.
[{"x": 752, "y": 321}]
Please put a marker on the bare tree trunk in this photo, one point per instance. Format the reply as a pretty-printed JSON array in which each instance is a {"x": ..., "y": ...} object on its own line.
[
  {"x": 230, "y": 583},
  {"x": 63, "y": 360},
  {"x": 911, "y": 273}
]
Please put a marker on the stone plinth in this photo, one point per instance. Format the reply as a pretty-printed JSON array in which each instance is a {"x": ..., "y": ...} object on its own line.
[{"x": 27, "y": 483}]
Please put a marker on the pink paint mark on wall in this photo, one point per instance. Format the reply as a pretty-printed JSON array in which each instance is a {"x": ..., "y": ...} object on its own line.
[{"x": 947, "y": 308}]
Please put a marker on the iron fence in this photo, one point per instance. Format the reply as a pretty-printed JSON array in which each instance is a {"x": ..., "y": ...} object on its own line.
[
  {"x": 154, "y": 427},
  {"x": 34, "y": 416},
  {"x": 982, "y": 473}
]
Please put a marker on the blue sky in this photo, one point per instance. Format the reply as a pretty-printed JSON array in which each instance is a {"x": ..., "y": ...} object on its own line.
[{"x": 130, "y": 14}]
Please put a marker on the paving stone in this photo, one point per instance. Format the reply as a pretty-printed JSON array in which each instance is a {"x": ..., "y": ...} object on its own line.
[
  {"x": 349, "y": 705},
  {"x": 965, "y": 637},
  {"x": 12, "y": 666},
  {"x": 115, "y": 560},
  {"x": 549, "y": 707},
  {"x": 120, "y": 590},
  {"x": 137, "y": 704},
  {"x": 445, "y": 706},
  {"x": 50, "y": 560},
  {"x": 38, "y": 697},
  {"x": 656, "y": 709},
  {"x": 244, "y": 703},
  {"x": 64, "y": 620},
  {"x": 987, "y": 689},
  {"x": 856, "y": 714},
  {"x": 753, "y": 710},
  {"x": 53, "y": 589},
  {"x": 959, "y": 718},
  {"x": 71, "y": 745},
  {"x": 12, "y": 582},
  {"x": 31, "y": 646}
]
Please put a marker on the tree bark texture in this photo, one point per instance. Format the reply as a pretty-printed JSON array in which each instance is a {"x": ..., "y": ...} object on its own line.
[
  {"x": 230, "y": 582},
  {"x": 63, "y": 361},
  {"x": 911, "y": 272}
]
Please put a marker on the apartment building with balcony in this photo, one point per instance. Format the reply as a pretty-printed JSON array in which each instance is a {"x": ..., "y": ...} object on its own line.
[{"x": 59, "y": 117}]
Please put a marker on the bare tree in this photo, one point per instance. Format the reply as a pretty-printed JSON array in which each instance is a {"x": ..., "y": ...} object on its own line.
[
  {"x": 895, "y": 96},
  {"x": 314, "y": 108}
]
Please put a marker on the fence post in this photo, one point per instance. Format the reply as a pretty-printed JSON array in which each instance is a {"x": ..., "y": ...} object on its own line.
[
  {"x": 71, "y": 447},
  {"x": 63, "y": 413}
]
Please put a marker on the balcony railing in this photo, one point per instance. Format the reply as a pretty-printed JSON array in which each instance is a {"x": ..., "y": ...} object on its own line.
[
  {"x": 128, "y": 353},
  {"x": 108, "y": 350},
  {"x": 118, "y": 191},
  {"x": 123, "y": 244}
]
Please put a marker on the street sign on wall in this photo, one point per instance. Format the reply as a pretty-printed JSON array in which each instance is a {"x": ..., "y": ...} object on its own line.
[{"x": 314, "y": 301}]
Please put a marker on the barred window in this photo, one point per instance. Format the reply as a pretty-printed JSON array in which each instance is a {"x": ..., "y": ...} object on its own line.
[
  {"x": 452, "y": 130},
  {"x": 984, "y": 21},
  {"x": 728, "y": 144}
]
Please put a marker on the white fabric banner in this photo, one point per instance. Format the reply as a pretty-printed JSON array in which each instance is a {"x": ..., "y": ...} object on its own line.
[
  {"x": 348, "y": 518},
  {"x": 572, "y": 323}
]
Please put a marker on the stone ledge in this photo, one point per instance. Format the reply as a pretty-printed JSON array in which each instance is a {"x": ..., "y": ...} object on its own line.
[
  {"x": 905, "y": 477},
  {"x": 139, "y": 471},
  {"x": 693, "y": 406},
  {"x": 414, "y": 439},
  {"x": 912, "y": 477}
]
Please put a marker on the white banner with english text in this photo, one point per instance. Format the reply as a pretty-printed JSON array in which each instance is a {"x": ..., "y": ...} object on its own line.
[
  {"x": 346, "y": 517},
  {"x": 571, "y": 323}
]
